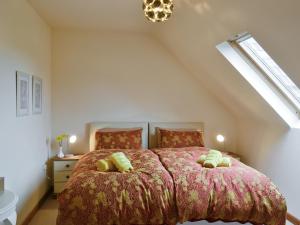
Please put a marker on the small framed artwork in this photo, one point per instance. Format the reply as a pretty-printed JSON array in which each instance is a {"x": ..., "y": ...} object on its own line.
[
  {"x": 23, "y": 80},
  {"x": 37, "y": 95}
]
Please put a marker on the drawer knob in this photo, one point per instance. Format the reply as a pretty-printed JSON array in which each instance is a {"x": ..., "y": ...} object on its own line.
[
  {"x": 68, "y": 177},
  {"x": 67, "y": 165}
]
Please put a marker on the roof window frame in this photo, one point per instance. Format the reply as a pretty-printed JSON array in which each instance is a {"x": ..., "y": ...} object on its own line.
[{"x": 288, "y": 95}]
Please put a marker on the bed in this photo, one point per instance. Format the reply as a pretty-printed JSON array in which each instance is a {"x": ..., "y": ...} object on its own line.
[
  {"x": 144, "y": 196},
  {"x": 235, "y": 194},
  {"x": 167, "y": 186}
]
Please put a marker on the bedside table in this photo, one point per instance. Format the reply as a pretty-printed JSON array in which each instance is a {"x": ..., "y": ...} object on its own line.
[
  {"x": 62, "y": 169},
  {"x": 233, "y": 155},
  {"x": 8, "y": 203}
]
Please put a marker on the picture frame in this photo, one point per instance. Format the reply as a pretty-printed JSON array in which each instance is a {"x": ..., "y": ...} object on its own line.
[
  {"x": 37, "y": 95},
  {"x": 22, "y": 99}
]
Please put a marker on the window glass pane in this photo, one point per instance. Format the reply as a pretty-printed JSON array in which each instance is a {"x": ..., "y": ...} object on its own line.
[{"x": 271, "y": 69}]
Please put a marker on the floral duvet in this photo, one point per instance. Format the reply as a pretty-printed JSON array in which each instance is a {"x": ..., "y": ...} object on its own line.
[
  {"x": 143, "y": 196},
  {"x": 237, "y": 193},
  {"x": 168, "y": 186}
]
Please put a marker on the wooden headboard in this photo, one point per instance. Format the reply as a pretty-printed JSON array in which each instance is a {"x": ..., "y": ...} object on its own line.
[
  {"x": 175, "y": 125},
  {"x": 100, "y": 125}
]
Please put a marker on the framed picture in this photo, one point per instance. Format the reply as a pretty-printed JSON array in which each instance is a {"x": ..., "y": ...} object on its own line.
[
  {"x": 23, "y": 80},
  {"x": 37, "y": 95}
]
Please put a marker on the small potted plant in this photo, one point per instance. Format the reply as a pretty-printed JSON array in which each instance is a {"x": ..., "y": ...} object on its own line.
[{"x": 60, "y": 139}]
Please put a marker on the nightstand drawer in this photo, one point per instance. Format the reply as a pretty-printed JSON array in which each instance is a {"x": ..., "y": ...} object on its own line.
[
  {"x": 62, "y": 176},
  {"x": 64, "y": 165},
  {"x": 59, "y": 187}
]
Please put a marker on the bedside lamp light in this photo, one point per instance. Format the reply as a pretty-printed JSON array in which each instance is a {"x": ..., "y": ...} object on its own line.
[
  {"x": 72, "y": 139},
  {"x": 220, "y": 138}
]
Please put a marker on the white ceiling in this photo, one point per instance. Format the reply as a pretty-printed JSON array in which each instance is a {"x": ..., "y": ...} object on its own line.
[
  {"x": 93, "y": 14},
  {"x": 192, "y": 33}
]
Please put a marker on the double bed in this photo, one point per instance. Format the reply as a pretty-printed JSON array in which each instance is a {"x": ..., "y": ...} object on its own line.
[{"x": 167, "y": 186}]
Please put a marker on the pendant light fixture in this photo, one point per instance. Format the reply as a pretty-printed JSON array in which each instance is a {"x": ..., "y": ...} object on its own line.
[{"x": 158, "y": 10}]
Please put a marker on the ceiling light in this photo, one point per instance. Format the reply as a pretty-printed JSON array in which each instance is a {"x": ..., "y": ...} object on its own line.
[{"x": 158, "y": 10}]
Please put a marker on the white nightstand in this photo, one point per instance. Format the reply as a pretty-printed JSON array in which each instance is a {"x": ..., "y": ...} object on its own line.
[
  {"x": 8, "y": 203},
  {"x": 62, "y": 169}
]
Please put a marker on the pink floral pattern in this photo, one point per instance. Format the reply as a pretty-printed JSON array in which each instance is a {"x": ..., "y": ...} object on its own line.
[
  {"x": 179, "y": 139},
  {"x": 238, "y": 193},
  {"x": 126, "y": 139},
  {"x": 144, "y": 196}
]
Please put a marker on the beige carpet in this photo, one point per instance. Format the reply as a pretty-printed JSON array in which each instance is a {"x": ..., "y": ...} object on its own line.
[{"x": 47, "y": 213}]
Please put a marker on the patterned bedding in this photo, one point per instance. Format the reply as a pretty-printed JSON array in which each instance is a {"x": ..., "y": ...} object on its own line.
[
  {"x": 238, "y": 193},
  {"x": 144, "y": 196}
]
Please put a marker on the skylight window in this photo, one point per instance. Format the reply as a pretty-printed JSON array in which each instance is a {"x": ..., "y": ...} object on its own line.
[
  {"x": 270, "y": 68},
  {"x": 266, "y": 77}
]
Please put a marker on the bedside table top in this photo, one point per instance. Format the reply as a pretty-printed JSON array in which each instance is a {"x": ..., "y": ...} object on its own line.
[
  {"x": 232, "y": 154},
  {"x": 8, "y": 200},
  {"x": 71, "y": 158}
]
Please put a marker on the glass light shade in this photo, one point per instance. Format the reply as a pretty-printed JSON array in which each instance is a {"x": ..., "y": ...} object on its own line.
[
  {"x": 220, "y": 138},
  {"x": 158, "y": 10},
  {"x": 72, "y": 139}
]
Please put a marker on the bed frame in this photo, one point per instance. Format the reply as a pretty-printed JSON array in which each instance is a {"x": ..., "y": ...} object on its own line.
[
  {"x": 173, "y": 125},
  {"x": 100, "y": 125}
]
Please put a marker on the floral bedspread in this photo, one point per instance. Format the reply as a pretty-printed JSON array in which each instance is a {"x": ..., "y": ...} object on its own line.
[
  {"x": 238, "y": 193},
  {"x": 144, "y": 196}
]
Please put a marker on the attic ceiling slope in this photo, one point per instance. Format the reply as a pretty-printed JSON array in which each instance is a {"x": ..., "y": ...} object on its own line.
[
  {"x": 209, "y": 84},
  {"x": 93, "y": 14},
  {"x": 192, "y": 34},
  {"x": 199, "y": 25}
]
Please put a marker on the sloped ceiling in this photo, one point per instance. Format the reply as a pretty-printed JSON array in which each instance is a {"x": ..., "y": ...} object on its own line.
[
  {"x": 196, "y": 27},
  {"x": 199, "y": 25}
]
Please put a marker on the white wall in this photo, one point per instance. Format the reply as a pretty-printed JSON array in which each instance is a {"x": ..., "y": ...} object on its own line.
[
  {"x": 127, "y": 77},
  {"x": 274, "y": 150},
  {"x": 25, "y": 46}
]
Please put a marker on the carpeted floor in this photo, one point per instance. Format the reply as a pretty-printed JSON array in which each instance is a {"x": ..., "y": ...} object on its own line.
[{"x": 47, "y": 213}]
